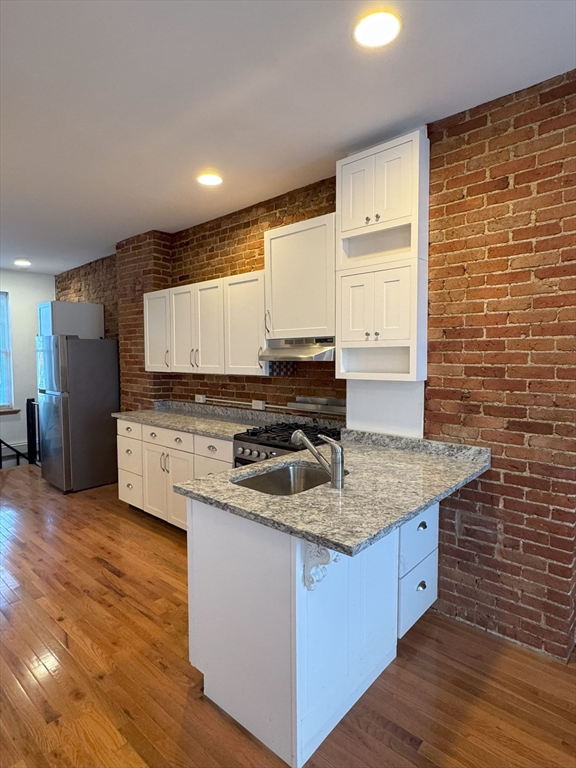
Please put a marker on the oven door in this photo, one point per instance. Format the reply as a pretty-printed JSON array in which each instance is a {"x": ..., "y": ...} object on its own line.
[{"x": 239, "y": 462}]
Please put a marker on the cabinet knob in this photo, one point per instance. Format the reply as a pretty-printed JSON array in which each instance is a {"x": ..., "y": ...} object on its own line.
[
  {"x": 129, "y": 485},
  {"x": 377, "y": 217},
  {"x": 153, "y": 434},
  {"x": 367, "y": 219},
  {"x": 212, "y": 448},
  {"x": 376, "y": 334},
  {"x": 367, "y": 335},
  {"x": 422, "y": 526},
  {"x": 178, "y": 440},
  {"x": 128, "y": 429},
  {"x": 128, "y": 451},
  {"x": 421, "y": 587}
]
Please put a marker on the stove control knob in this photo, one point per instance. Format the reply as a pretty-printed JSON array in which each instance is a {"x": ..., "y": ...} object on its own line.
[
  {"x": 239, "y": 451},
  {"x": 255, "y": 454},
  {"x": 273, "y": 453},
  {"x": 263, "y": 455}
]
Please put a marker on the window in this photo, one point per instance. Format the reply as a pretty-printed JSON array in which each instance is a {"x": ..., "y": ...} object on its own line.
[{"x": 6, "y": 390}]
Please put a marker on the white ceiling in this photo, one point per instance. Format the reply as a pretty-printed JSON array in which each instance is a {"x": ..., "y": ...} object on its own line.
[{"x": 110, "y": 108}]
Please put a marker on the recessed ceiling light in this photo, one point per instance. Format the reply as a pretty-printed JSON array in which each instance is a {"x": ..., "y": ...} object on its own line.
[
  {"x": 210, "y": 179},
  {"x": 22, "y": 263},
  {"x": 377, "y": 29}
]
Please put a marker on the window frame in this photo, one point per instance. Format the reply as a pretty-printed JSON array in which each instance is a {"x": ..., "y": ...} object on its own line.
[{"x": 6, "y": 356}]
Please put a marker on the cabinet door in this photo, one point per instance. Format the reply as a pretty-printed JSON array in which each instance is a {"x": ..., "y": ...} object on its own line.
[
  {"x": 179, "y": 468},
  {"x": 244, "y": 323},
  {"x": 357, "y": 194},
  {"x": 209, "y": 322},
  {"x": 207, "y": 466},
  {"x": 45, "y": 318},
  {"x": 357, "y": 307},
  {"x": 157, "y": 330},
  {"x": 392, "y": 303},
  {"x": 183, "y": 345},
  {"x": 393, "y": 183},
  {"x": 300, "y": 279},
  {"x": 154, "y": 475}
]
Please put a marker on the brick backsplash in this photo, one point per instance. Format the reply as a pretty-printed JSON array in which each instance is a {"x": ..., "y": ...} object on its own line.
[
  {"x": 501, "y": 345},
  {"x": 501, "y": 358}
]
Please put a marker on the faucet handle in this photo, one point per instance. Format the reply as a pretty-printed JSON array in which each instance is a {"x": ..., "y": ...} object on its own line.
[
  {"x": 331, "y": 441},
  {"x": 297, "y": 436}
]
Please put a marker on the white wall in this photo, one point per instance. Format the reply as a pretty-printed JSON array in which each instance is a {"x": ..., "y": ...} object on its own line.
[
  {"x": 25, "y": 291},
  {"x": 390, "y": 407}
]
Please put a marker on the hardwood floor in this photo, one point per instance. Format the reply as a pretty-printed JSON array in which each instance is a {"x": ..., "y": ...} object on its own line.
[{"x": 94, "y": 670}]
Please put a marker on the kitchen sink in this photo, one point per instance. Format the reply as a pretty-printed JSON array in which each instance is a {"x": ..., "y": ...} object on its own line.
[{"x": 286, "y": 480}]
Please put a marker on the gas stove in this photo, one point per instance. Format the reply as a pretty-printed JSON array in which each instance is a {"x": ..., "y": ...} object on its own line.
[{"x": 259, "y": 443}]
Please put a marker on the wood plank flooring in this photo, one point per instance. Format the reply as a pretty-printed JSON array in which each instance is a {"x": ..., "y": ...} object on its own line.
[{"x": 94, "y": 670}]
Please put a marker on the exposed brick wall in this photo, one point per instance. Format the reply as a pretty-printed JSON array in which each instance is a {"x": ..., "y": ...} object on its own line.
[
  {"x": 143, "y": 264},
  {"x": 95, "y": 282},
  {"x": 233, "y": 244},
  {"x": 502, "y": 361}
]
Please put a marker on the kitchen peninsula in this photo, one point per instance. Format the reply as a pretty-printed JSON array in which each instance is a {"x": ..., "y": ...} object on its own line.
[{"x": 296, "y": 602}]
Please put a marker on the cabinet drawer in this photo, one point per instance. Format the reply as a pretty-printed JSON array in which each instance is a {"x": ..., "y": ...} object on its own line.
[
  {"x": 417, "y": 591},
  {"x": 418, "y": 537},
  {"x": 129, "y": 429},
  {"x": 169, "y": 438},
  {"x": 130, "y": 454},
  {"x": 213, "y": 448},
  {"x": 207, "y": 466},
  {"x": 130, "y": 488}
]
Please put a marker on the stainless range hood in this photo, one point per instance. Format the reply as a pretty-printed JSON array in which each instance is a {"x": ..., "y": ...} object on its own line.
[{"x": 299, "y": 350}]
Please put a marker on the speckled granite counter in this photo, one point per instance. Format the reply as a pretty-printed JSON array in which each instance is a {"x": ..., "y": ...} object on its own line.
[
  {"x": 390, "y": 480},
  {"x": 198, "y": 425}
]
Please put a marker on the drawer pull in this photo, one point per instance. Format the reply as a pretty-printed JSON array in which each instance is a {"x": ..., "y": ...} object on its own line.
[
  {"x": 129, "y": 485},
  {"x": 153, "y": 434},
  {"x": 178, "y": 440},
  {"x": 128, "y": 429},
  {"x": 421, "y": 587},
  {"x": 128, "y": 451},
  {"x": 422, "y": 526},
  {"x": 212, "y": 448}
]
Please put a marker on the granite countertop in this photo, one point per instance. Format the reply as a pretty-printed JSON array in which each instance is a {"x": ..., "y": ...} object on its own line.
[
  {"x": 199, "y": 425},
  {"x": 390, "y": 480}
]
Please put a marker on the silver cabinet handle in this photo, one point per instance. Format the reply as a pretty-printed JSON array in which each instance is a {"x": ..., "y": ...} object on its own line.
[
  {"x": 128, "y": 429},
  {"x": 162, "y": 462},
  {"x": 192, "y": 358},
  {"x": 128, "y": 451},
  {"x": 196, "y": 353},
  {"x": 166, "y": 354},
  {"x": 153, "y": 434},
  {"x": 212, "y": 448},
  {"x": 178, "y": 440},
  {"x": 267, "y": 314},
  {"x": 167, "y": 463},
  {"x": 367, "y": 335},
  {"x": 422, "y": 526},
  {"x": 421, "y": 587},
  {"x": 129, "y": 485},
  {"x": 367, "y": 219},
  {"x": 377, "y": 217},
  {"x": 259, "y": 353}
]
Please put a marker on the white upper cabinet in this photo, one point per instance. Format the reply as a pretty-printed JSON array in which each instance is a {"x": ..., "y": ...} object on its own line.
[
  {"x": 209, "y": 325},
  {"x": 244, "y": 336},
  {"x": 300, "y": 279},
  {"x": 357, "y": 307},
  {"x": 382, "y": 203},
  {"x": 183, "y": 348},
  {"x": 392, "y": 303},
  {"x": 157, "y": 341}
]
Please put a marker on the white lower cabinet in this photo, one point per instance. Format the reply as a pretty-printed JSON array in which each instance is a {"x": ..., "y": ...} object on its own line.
[
  {"x": 151, "y": 460},
  {"x": 417, "y": 591}
]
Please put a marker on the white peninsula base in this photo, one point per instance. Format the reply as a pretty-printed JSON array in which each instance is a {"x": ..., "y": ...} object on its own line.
[{"x": 289, "y": 634}]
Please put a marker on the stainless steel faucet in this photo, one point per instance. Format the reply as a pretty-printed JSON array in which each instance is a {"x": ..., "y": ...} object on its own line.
[{"x": 336, "y": 466}]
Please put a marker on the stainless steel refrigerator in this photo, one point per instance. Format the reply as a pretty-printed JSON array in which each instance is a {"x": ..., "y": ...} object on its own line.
[{"x": 78, "y": 389}]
